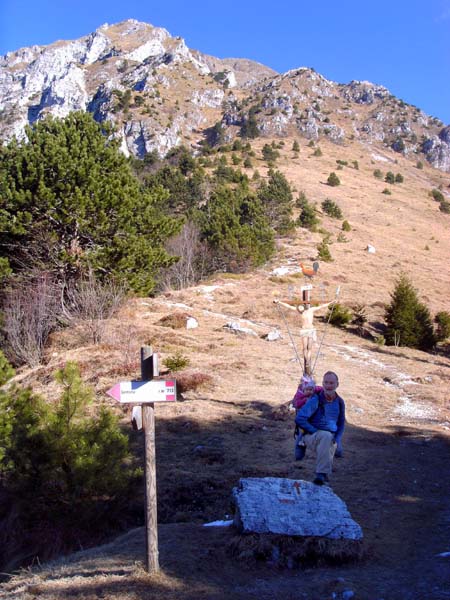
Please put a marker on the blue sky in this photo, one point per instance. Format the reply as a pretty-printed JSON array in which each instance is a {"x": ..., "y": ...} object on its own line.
[{"x": 403, "y": 45}]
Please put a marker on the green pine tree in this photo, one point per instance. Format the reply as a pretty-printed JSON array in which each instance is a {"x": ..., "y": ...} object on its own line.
[
  {"x": 235, "y": 227},
  {"x": 277, "y": 200},
  {"x": 68, "y": 199},
  {"x": 408, "y": 321}
]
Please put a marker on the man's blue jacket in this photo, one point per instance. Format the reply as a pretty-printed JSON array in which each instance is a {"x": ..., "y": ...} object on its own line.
[{"x": 318, "y": 413}]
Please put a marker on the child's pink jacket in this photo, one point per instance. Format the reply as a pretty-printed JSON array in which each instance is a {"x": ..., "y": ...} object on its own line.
[{"x": 300, "y": 399}]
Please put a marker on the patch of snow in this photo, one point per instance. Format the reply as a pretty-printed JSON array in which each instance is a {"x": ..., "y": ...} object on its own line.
[
  {"x": 414, "y": 410},
  {"x": 280, "y": 271},
  {"x": 382, "y": 158},
  {"x": 219, "y": 523},
  {"x": 444, "y": 554}
]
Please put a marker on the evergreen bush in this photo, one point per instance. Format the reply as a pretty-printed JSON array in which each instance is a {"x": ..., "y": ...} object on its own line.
[
  {"x": 437, "y": 195},
  {"x": 66, "y": 475},
  {"x": 346, "y": 226},
  {"x": 331, "y": 209},
  {"x": 101, "y": 218},
  {"x": 277, "y": 200},
  {"x": 323, "y": 251},
  {"x": 408, "y": 321},
  {"x": 333, "y": 180},
  {"x": 176, "y": 362},
  {"x": 442, "y": 320},
  {"x": 338, "y": 315},
  {"x": 444, "y": 207}
]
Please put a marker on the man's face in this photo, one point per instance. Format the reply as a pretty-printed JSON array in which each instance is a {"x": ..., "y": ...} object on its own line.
[{"x": 330, "y": 384}]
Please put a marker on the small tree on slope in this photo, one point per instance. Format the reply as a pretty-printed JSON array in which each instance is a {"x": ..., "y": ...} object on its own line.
[{"x": 408, "y": 321}]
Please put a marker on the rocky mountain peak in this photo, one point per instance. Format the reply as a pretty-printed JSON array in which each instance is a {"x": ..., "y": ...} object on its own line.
[{"x": 159, "y": 93}]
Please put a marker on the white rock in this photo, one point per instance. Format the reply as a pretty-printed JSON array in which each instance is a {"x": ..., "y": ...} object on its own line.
[
  {"x": 370, "y": 249},
  {"x": 273, "y": 335},
  {"x": 236, "y": 327},
  {"x": 292, "y": 507},
  {"x": 191, "y": 323}
]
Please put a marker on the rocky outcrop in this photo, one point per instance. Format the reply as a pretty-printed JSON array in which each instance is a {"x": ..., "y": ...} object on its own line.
[{"x": 437, "y": 150}]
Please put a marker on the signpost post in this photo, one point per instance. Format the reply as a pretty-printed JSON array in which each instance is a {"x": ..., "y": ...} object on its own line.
[{"x": 146, "y": 392}]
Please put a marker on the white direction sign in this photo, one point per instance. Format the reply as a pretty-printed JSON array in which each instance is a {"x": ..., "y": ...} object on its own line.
[
  {"x": 141, "y": 392},
  {"x": 304, "y": 288}
]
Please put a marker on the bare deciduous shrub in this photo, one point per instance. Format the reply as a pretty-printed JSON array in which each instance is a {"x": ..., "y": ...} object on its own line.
[
  {"x": 92, "y": 302},
  {"x": 31, "y": 309},
  {"x": 191, "y": 380},
  {"x": 194, "y": 260},
  {"x": 174, "y": 321}
]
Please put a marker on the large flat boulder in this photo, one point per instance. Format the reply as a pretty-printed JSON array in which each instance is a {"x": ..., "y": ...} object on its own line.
[{"x": 292, "y": 507}]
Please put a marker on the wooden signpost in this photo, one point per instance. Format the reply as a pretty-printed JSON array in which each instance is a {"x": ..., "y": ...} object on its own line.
[{"x": 146, "y": 392}]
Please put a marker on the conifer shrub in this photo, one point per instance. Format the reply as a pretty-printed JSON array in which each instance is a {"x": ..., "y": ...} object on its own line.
[
  {"x": 269, "y": 153},
  {"x": 277, "y": 200},
  {"x": 387, "y": 192},
  {"x": 317, "y": 152},
  {"x": 437, "y": 195},
  {"x": 295, "y": 146},
  {"x": 378, "y": 174},
  {"x": 176, "y": 362},
  {"x": 442, "y": 320},
  {"x": 331, "y": 209},
  {"x": 323, "y": 252},
  {"x": 389, "y": 177},
  {"x": 102, "y": 218},
  {"x": 333, "y": 180},
  {"x": 307, "y": 217},
  {"x": 66, "y": 475},
  {"x": 399, "y": 178},
  {"x": 408, "y": 321},
  {"x": 6, "y": 370},
  {"x": 338, "y": 315},
  {"x": 419, "y": 164},
  {"x": 444, "y": 206},
  {"x": 346, "y": 226},
  {"x": 359, "y": 318}
]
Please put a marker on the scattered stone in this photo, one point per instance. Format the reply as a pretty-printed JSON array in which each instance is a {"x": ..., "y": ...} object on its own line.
[
  {"x": 370, "y": 249},
  {"x": 191, "y": 323},
  {"x": 236, "y": 328},
  {"x": 273, "y": 335}
]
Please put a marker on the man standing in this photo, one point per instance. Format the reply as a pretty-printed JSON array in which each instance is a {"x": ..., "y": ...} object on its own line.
[{"x": 322, "y": 419}]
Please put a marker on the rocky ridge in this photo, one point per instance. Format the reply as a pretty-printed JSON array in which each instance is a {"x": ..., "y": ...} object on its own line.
[{"x": 160, "y": 94}]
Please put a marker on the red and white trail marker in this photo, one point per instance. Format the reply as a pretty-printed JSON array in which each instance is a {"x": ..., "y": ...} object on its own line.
[{"x": 142, "y": 392}]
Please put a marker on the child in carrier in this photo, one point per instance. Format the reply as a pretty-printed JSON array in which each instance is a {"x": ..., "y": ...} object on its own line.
[{"x": 306, "y": 389}]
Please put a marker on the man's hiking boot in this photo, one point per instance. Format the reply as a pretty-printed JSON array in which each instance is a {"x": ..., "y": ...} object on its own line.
[
  {"x": 339, "y": 453},
  {"x": 320, "y": 478}
]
